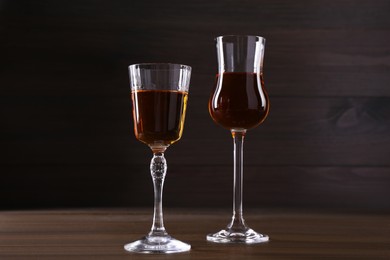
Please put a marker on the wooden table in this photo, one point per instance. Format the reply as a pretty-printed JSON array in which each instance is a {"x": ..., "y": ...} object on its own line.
[{"x": 101, "y": 234}]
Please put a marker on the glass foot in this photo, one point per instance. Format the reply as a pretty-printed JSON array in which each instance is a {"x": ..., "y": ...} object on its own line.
[
  {"x": 249, "y": 236},
  {"x": 157, "y": 245}
]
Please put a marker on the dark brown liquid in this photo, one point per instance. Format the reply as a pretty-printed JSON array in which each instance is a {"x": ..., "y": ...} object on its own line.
[
  {"x": 158, "y": 115},
  {"x": 239, "y": 100}
]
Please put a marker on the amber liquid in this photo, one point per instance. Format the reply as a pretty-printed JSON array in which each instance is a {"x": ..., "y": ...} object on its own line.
[
  {"x": 159, "y": 115},
  {"x": 239, "y": 100}
]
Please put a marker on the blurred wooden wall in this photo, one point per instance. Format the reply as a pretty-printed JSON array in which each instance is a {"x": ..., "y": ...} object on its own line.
[{"x": 66, "y": 132}]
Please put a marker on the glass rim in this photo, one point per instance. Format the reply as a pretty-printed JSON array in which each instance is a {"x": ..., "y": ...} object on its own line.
[
  {"x": 160, "y": 66},
  {"x": 239, "y": 36}
]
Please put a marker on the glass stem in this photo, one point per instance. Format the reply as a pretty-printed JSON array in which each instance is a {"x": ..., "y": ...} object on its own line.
[
  {"x": 158, "y": 169},
  {"x": 238, "y": 222}
]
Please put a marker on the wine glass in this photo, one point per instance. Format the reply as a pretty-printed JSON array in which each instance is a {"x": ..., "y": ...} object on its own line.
[
  {"x": 159, "y": 92},
  {"x": 239, "y": 102}
]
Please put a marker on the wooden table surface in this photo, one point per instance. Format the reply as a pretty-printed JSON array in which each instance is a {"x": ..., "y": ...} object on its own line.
[{"x": 101, "y": 234}]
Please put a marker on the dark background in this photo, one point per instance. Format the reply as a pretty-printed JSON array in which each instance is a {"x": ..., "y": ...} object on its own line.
[{"x": 66, "y": 130}]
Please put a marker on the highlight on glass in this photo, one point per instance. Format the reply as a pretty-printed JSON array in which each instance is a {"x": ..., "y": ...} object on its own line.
[
  {"x": 239, "y": 102},
  {"x": 159, "y": 93}
]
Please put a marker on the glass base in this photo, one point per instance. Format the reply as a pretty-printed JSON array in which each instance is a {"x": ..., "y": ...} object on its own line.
[
  {"x": 249, "y": 236},
  {"x": 157, "y": 245}
]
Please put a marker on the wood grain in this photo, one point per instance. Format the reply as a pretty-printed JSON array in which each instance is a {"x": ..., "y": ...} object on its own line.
[
  {"x": 357, "y": 189},
  {"x": 330, "y": 131},
  {"x": 101, "y": 234},
  {"x": 65, "y": 116}
]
